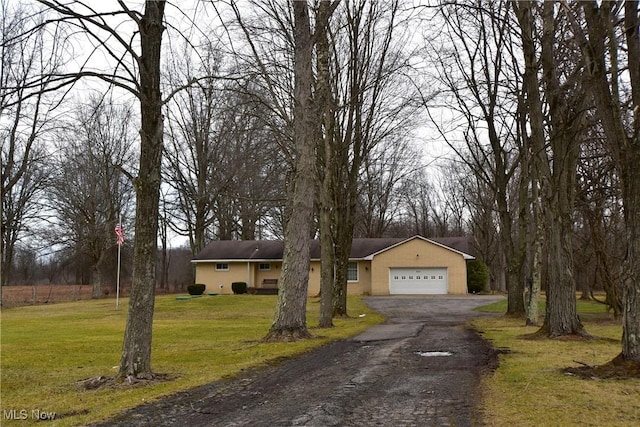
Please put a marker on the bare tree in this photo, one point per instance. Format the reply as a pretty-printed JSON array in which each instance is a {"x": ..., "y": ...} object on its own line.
[
  {"x": 136, "y": 69},
  {"x": 384, "y": 172},
  {"x": 418, "y": 199},
  {"x": 26, "y": 113},
  {"x": 557, "y": 160},
  {"x": 483, "y": 222},
  {"x": 619, "y": 113},
  {"x": 376, "y": 108},
  {"x": 221, "y": 161},
  {"x": 196, "y": 156},
  {"x": 22, "y": 205},
  {"x": 601, "y": 226},
  {"x": 290, "y": 316},
  {"x": 476, "y": 71},
  {"x": 326, "y": 158},
  {"x": 280, "y": 38},
  {"x": 89, "y": 191}
]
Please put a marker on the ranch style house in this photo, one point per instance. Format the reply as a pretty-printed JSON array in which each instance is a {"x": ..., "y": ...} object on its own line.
[{"x": 377, "y": 266}]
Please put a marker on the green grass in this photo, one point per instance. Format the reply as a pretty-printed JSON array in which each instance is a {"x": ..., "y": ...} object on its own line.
[
  {"x": 583, "y": 307},
  {"x": 529, "y": 387},
  {"x": 46, "y": 350}
]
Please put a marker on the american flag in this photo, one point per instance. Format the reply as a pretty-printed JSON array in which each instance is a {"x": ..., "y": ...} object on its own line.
[{"x": 119, "y": 235}]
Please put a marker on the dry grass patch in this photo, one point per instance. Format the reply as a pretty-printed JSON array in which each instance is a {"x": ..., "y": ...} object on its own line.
[
  {"x": 48, "y": 351},
  {"x": 531, "y": 388}
]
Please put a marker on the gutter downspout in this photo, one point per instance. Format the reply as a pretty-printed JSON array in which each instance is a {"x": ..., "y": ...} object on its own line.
[{"x": 249, "y": 284}]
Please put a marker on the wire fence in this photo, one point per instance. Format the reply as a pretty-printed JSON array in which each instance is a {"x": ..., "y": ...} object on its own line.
[
  {"x": 43, "y": 294},
  {"x": 19, "y": 295}
]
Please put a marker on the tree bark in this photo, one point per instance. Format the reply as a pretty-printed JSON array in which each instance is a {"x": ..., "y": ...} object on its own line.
[
  {"x": 557, "y": 174},
  {"x": 630, "y": 177},
  {"x": 135, "y": 361},
  {"x": 539, "y": 163},
  {"x": 623, "y": 144},
  {"x": 326, "y": 165},
  {"x": 566, "y": 117},
  {"x": 290, "y": 316}
]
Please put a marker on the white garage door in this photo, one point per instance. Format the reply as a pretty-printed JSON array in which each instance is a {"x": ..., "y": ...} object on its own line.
[{"x": 412, "y": 281}]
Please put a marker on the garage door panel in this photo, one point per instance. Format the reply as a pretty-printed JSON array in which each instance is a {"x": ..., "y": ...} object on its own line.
[{"x": 414, "y": 281}]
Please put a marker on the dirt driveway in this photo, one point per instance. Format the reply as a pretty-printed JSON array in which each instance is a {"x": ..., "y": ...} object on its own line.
[{"x": 421, "y": 368}]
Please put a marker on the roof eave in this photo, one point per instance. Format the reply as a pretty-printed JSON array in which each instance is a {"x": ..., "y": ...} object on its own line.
[
  {"x": 464, "y": 255},
  {"x": 237, "y": 260}
]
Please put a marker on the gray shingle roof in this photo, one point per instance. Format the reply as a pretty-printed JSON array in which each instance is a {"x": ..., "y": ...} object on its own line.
[
  {"x": 246, "y": 250},
  {"x": 242, "y": 250}
]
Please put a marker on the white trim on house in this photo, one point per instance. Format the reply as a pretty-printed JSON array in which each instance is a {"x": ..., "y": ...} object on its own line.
[
  {"x": 221, "y": 264},
  {"x": 464, "y": 255},
  {"x": 228, "y": 260},
  {"x": 357, "y": 264}
]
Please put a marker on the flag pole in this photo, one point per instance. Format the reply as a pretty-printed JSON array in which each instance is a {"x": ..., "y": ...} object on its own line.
[
  {"x": 118, "y": 279},
  {"x": 118, "y": 272}
]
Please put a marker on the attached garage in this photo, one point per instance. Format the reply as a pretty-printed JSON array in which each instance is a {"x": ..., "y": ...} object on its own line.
[
  {"x": 418, "y": 266},
  {"x": 377, "y": 266},
  {"x": 418, "y": 281}
]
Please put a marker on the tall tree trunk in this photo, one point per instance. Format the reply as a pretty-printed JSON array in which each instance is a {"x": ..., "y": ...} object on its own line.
[
  {"x": 623, "y": 144},
  {"x": 534, "y": 279},
  {"x": 290, "y": 317},
  {"x": 135, "y": 360},
  {"x": 566, "y": 117},
  {"x": 530, "y": 226},
  {"x": 630, "y": 177},
  {"x": 327, "y": 268},
  {"x": 561, "y": 313},
  {"x": 344, "y": 224},
  {"x": 343, "y": 248},
  {"x": 631, "y": 196},
  {"x": 539, "y": 166},
  {"x": 326, "y": 166},
  {"x": 631, "y": 287},
  {"x": 557, "y": 174}
]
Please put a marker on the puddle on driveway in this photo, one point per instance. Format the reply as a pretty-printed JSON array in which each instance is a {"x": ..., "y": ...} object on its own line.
[{"x": 433, "y": 353}]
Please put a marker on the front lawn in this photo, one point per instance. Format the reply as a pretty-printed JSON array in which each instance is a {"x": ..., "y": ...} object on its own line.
[
  {"x": 530, "y": 388},
  {"x": 46, "y": 350}
]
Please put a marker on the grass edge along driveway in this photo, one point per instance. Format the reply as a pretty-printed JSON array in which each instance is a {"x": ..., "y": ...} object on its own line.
[
  {"x": 46, "y": 350},
  {"x": 529, "y": 387}
]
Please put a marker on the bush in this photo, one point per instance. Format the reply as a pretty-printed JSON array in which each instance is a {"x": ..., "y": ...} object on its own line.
[
  {"x": 197, "y": 289},
  {"x": 239, "y": 287},
  {"x": 477, "y": 276}
]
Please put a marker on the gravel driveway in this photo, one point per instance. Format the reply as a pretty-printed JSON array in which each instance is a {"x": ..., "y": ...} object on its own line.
[{"x": 421, "y": 368}]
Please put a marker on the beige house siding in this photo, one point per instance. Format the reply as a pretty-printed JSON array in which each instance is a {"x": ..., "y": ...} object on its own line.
[
  {"x": 373, "y": 270},
  {"x": 363, "y": 285},
  {"x": 260, "y": 275},
  {"x": 359, "y": 287},
  {"x": 314, "y": 279},
  {"x": 418, "y": 253},
  {"x": 220, "y": 281}
]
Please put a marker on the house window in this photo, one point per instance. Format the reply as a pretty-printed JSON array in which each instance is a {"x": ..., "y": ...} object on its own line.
[
  {"x": 352, "y": 272},
  {"x": 222, "y": 266},
  {"x": 265, "y": 266}
]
